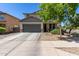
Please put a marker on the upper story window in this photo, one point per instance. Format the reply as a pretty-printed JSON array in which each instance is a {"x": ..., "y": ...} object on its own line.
[{"x": 1, "y": 17}]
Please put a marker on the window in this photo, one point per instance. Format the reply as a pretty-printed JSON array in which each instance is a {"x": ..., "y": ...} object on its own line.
[{"x": 1, "y": 17}]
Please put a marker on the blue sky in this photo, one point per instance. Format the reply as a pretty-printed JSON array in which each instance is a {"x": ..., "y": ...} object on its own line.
[
  {"x": 77, "y": 11},
  {"x": 17, "y": 9}
]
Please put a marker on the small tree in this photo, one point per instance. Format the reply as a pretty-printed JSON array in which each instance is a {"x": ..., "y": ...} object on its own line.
[
  {"x": 47, "y": 11},
  {"x": 53, "y": 11}
]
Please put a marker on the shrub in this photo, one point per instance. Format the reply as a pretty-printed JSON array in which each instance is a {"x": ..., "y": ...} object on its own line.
[
  {"x": 2, "y": 29},
  {"x": 55, "y": 31}
]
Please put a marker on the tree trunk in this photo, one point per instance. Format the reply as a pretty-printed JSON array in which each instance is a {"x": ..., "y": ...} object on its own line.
[
  {"x": 70, "y": 31},
  {"x": 60, "y": 31},
  {"x": 47, "y": 27}
]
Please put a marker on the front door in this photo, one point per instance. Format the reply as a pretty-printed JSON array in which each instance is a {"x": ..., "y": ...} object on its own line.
[{"x": 45, "y": 27}]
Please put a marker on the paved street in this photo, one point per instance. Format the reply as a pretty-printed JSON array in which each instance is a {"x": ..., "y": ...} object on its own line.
[{"x": 28, "y": 44}]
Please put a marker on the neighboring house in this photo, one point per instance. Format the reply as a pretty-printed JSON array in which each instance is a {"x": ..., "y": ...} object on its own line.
[
  {"x": 10, "y": 22},
  {"x": 33, "y": 23}
]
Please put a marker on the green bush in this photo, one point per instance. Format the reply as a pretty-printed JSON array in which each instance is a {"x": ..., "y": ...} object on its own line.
[
  {"x": 55, "y": 31},
  {"x": 2, "y": 29}
]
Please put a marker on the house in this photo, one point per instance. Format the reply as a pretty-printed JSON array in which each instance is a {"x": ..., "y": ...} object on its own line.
[
  {"x": 10, "y": 22},
  {"x": 33, "y": 23}
]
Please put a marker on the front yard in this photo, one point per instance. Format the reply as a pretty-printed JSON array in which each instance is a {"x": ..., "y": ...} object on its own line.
[{"x": 52, "y": 37}]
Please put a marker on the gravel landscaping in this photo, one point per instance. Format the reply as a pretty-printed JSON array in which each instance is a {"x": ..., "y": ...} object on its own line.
[
  {"x": 74, "y": 50},
  {"x": 48, "y": 37},
  {"x": 53, "y": 37}
]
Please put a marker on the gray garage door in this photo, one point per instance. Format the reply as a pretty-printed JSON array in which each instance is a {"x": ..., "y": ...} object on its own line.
[{"x": 32, "y": 27}]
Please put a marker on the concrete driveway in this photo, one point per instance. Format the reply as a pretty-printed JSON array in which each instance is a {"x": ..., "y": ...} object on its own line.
[
  {"x": 11, "y": 42},
  {"x": 6, "y": 35},
  {"x": 28, "y": 44}
]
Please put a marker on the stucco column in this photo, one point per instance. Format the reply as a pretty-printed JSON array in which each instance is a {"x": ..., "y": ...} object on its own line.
[
  {"x": 41, "y": 27},
  {"x": 21, "y": 27}
]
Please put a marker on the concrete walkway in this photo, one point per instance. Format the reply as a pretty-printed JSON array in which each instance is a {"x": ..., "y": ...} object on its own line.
[{"x": 28, "y": 44}]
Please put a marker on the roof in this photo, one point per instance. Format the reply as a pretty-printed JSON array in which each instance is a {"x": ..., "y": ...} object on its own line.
[
  {"x": 9, "y": 15},
  {"x": 31, "y": 19},
  {"x": 34, "y": 13}
]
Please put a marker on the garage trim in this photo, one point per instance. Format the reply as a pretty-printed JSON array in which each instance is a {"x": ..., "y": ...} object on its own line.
[{"x": 21, "y": 25}]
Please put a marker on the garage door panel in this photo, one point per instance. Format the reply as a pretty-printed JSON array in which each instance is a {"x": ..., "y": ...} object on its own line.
[{"x": 32, "y": 27}]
